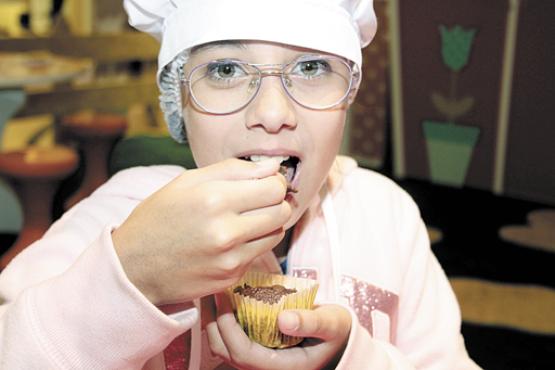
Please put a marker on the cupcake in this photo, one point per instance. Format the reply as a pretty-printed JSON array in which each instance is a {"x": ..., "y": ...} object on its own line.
[{"x": 259, "y": 297}]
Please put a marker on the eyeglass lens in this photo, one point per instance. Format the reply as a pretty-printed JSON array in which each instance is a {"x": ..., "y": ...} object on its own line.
[{"x": 228, "y": 85}]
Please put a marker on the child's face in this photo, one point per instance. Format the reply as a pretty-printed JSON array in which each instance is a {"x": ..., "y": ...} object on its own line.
[{"x": 271, "y": 124}]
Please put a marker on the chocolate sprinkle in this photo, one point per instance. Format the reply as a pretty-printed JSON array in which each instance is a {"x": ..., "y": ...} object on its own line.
[{"x": 267, "y": 294}]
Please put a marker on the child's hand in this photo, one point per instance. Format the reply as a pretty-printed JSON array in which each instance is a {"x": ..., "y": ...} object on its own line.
[
  {"x": 198, "y": 234},
  {"x": 326, "y": 328}
]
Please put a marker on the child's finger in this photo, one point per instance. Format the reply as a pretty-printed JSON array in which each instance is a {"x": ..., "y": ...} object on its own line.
[
  {"x": 325, "y": 322},
  {"x": 257, "y": 247},
  {"x": 261, "y": 222},
  {"x": 229, "y": 327},
  {"x": 215, "y": 341},
  {"x": 247, "y": 195},
  {"x": 234, "y": 169}
]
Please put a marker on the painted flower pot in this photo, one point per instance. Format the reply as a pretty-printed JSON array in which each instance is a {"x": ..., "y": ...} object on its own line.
[{"x": 449, "y": 148}]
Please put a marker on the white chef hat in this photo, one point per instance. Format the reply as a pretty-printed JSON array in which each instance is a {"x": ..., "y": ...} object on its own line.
[{"x": 340, "y": 27}]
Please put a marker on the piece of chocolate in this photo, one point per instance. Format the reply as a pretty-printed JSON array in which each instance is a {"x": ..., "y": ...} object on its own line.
[
  {"x": 267, "y": 294},
  {"x": 283, "y": 171}
]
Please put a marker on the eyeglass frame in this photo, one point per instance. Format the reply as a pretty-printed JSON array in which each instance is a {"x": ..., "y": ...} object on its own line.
[{"x": 354, "y": 81}]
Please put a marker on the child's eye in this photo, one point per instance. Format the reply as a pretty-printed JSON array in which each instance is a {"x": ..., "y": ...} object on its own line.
[
  {"x": 311, "y": 68},
  {"x": 225, "y": 70}
]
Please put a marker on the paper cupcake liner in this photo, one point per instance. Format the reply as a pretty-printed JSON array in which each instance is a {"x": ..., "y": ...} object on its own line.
[{"x": 259, "y": 319}]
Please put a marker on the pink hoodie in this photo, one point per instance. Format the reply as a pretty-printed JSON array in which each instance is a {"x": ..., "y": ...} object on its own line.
[{"x": 68, "y": 304}]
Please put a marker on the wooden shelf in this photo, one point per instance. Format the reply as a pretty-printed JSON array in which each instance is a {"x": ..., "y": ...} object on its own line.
[
  {"x": 103, "y": 48},
  {"x": 108, "y": 97}
]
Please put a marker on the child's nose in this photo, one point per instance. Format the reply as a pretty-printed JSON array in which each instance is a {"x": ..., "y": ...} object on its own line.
[{"x": 272, "y": 109}]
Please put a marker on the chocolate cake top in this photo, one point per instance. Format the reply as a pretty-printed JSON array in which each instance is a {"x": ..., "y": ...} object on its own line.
[{"x": 267, "y": 294}]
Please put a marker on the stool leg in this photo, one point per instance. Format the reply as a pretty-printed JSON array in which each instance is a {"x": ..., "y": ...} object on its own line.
[
  {"x": 96, "y": 153},
  {"x": 36, "y": 198}
]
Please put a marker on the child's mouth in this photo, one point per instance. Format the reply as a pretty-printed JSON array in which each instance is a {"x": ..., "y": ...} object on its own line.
[{"x": 288, "y": 167}]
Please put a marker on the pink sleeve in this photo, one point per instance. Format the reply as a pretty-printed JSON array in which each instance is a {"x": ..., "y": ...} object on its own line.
[
  {"x": 89, "y": 317},
  {"x": 428, "y": 332},
  {"x": 364, "y": 352},
  {"x": 65, "y": 302}
]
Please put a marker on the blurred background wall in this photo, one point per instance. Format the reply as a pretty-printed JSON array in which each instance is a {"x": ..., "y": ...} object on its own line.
[
  {"x": 468, "y": 89},
  {"x": 456, "y": 105},
  {"x": 113, "y": 72}
]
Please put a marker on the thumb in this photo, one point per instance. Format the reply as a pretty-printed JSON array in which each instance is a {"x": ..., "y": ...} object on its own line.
[{"x": 325, "y": 322}]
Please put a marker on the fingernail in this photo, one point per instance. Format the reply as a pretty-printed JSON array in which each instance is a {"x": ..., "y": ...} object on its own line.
[{"x": 289, "y": 321}]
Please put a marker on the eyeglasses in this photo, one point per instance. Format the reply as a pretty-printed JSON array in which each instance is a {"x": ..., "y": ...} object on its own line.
[{"x": 316, "y": 82}]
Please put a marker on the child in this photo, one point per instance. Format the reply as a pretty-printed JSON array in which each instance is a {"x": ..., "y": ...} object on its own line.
[{"x": 252, "y": 85}]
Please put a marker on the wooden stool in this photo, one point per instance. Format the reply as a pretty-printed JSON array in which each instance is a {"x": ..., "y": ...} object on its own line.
[
  {"x": 35, "y": 174},
  {"x": 96, "y": 134}
]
